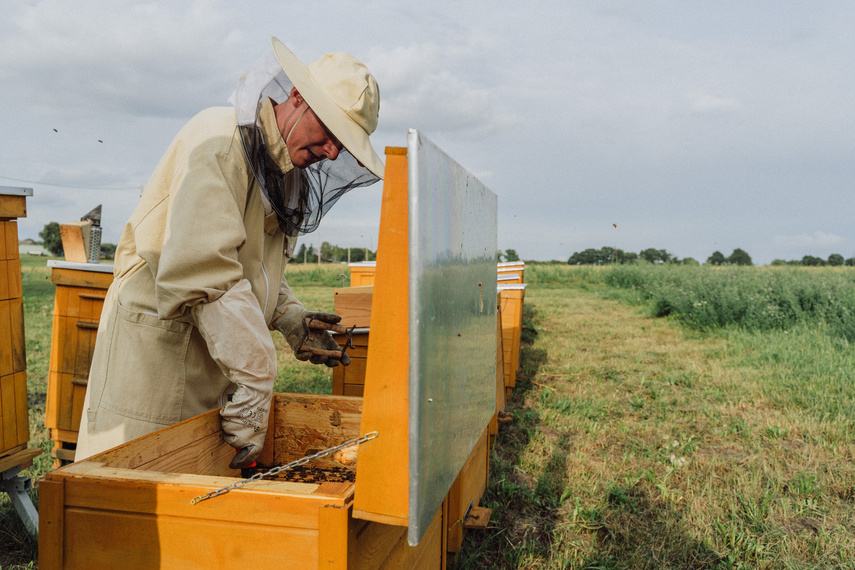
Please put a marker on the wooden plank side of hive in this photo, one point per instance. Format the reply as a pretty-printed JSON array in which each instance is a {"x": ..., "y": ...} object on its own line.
[
  {"x": 93, "y": 486},
  {"x": 76, "y": 278},
  {"x": 429, "y": 554},
  {"x": 384, "y": 463},
  {"x": 192, "y": 446},
  {"x": 51, "y": 519},
  {"x": 12, "y": 207},
  {"x": 305, "y": 424},
  {"x": 467, "y": 490},
  {"x": 104, "y": 539},
  {"x": 353, "y": 304}
]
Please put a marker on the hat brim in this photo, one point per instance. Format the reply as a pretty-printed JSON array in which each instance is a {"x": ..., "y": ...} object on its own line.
[{"x": 351, "y": 135}]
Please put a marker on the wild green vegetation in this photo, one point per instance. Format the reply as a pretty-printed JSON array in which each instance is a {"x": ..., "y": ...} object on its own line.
[
  {"x": 748, "y": 298},
  {"x": 665, "y": 417}
]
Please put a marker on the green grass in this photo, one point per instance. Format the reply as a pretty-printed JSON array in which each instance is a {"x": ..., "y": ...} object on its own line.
[{"x": 642, "y": 442}]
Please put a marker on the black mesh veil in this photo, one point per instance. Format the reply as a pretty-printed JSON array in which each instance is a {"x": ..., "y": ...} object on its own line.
[{"x": 302, "y": 197}]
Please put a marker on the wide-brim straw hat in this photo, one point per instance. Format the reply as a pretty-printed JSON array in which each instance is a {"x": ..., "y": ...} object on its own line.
[{"x": 344, "y": 96}]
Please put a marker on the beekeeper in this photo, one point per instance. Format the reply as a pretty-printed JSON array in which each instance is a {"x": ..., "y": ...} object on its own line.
[{"x": 199, "y": 267}]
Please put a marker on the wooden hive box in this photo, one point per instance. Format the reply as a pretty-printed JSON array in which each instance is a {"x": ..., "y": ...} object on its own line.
[
  {"x": 512, "y": 297},
  {"x": 514, "y": 268},
  {"x": 14, "y": 411},
  {"x": 80, "y": 292},
  {"x": 350, "y": 380},
  {"x": 353, "y": 304},
  {"x": 130, "y": 507},
  {"x": 362, "y": 273}
]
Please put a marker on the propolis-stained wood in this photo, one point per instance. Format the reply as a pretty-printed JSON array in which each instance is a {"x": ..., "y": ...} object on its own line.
[{"x": 130, "y": 507}]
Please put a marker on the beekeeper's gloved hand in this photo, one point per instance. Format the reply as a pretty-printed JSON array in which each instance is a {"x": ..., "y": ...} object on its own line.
[
  {"x": 240, "y": 343},
  {"x": 293, "y": 325}
]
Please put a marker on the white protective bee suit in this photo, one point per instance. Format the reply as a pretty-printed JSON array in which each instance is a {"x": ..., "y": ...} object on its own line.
[{"x": 199, "y": 283}]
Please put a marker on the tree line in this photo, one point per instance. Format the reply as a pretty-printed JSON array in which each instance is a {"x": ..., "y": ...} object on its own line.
[
  {"x": 330, "y": 253},
  {"x": 834, "y": 260},
  {"x": 611, "y": 256}
]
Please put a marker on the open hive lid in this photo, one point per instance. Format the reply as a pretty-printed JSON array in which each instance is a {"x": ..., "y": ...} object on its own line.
[{"x": 430, "y": 388}]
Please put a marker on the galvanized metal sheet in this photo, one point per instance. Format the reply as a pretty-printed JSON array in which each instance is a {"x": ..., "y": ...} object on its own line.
[
  {"x": 452, "y": 322},
  {"x": 15, "y": 191}
]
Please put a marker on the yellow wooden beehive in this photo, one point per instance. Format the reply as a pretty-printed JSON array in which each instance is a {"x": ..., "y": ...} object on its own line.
[
  {"x": 80, "y": 292},
  {"x": 14, "y": 415},
  {"x": 362, "y": 273},
  {"x": 131, "y": 506},
  {"x": 512, "y": 298}
]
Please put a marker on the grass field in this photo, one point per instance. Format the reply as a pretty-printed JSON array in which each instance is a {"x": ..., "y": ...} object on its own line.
[
  {"x": 637, "y": 441},
  {"x": 642, "y": 443}
]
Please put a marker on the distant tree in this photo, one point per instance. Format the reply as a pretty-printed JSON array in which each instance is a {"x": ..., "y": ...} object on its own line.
[
  {"x": 612, "y": 255},
  {"x": 778, "y": 263},
  {"x": 649, "y": 255},
  {"x": 357, "y": 254},
  {"x": 812, "y": 261},
  {"x": 306, "y": 254},
  {"x": 108, "y": 250},
  {"x": 652, "y": 255},
  {"x": 717, "y": 258},
  {"x": 52, "y": 238},
  {"x": 511, "y": 255},
  {"x": 850, "y": 262},
  {"x": 332, "y": 253},
  {"x": 588, "y": 257},
  {"x": 499, "y": 255},
  {"x": 739, "y": 257},
  {"x": 835, "y": 260},
  {"x": 604, "y": 256},
  {"x": 689, "y": 261}
]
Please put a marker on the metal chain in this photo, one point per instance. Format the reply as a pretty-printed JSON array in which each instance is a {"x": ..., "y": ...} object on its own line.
[{"x": 279, "y": 469}]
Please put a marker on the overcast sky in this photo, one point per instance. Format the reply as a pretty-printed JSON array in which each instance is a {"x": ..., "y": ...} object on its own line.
[{"x": 679, "y": 125}]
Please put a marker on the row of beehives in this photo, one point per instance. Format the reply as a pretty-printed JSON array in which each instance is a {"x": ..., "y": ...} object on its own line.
[
  {"x": 354, "y": 305},
  {"x": 414, "y": 488}
]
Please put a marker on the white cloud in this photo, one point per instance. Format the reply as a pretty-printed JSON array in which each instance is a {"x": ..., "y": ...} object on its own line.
[
  {"x": 817, "y": 239},
  {"x": 427, "y": 86},
  {"x": 121, "y": 57}
]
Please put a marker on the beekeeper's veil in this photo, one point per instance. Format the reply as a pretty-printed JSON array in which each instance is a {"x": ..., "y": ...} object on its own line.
[{"x": 345, "y": 97}]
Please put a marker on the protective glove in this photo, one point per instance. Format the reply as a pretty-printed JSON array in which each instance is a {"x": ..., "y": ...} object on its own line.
[
  {"x": 293, "y": 326},
  {"x": 239, "y": 342}
]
